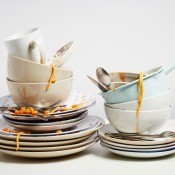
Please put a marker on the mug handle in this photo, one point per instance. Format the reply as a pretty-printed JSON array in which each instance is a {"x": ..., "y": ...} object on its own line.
[{"x": 33, "y": 45}]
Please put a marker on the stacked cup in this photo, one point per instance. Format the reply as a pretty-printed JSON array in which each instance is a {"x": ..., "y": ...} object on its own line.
[
  {"x": 121, "y": 103},
  {"x": 31, "y": 80}
]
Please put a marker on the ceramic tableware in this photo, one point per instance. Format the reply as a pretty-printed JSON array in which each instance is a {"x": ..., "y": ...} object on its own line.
[
  {"x": 127, "y": 121},
  {"x": 47, "y": 154},
  {"x": 87, "y": 127},
  {"x": 28, "y": 45},
  {"x": 22, "y": 70},
  {"x": 156, "y": 142},
  {"x": 140, "y": 154},
  {"x": 156, "y": 102},
  {"x": 62, "y": 55},
  {"x": 26, "y": 94},
  {"x": 154, "y": 83}
]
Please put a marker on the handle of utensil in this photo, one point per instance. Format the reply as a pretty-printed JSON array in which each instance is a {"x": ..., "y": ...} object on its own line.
[{"x": 169, "y": 68}]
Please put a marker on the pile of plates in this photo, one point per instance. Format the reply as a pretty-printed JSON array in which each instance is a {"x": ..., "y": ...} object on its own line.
[
  {"x": 158, "y": 147},
  {"x": 78, "y": 130},
  {"x": 55, "y": 121},
  {"x": 45, "y": 145}
]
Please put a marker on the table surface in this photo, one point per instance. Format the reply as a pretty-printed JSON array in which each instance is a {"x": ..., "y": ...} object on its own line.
[{"x": 94, "y": 160}]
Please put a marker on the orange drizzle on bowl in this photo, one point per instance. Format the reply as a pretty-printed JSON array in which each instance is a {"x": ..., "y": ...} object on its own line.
[
  {"x": 52, "y": 78},
  {"x": 140, "y": 98},
  {"x": 122, "y": 76}
]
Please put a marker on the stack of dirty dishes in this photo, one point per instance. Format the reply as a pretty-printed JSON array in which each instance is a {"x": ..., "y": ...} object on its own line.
[
  {"x": 42, "y": 116},
  {"x": 141, "y": 104},
  {"x": 32, "y": 78}
]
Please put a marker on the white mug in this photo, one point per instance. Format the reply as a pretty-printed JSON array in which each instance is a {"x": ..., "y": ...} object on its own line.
[{"x": 28, "y": 45}]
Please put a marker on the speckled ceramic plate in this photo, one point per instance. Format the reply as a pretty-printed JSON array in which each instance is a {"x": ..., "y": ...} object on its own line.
[
  {"x": 157, "y": 141},
  {"x": 76, "y": 97},
  {"x": 47, "y": 123},
  {"x": 87, "y": 127},
  {"x": 140, "y": 154},
  {"x": 51, "y": 148},
  {"x": 47, "y": 154}
]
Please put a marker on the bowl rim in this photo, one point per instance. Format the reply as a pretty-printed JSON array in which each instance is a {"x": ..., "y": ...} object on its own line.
[
  {"x": 38, "y": 83},
  {"x": 10, "y": 56},
  {"x": 169, "y": 90},
  {"x": 134, "y": 111}
]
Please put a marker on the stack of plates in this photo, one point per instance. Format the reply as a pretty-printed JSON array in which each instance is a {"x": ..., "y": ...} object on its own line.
[
  {"x": 141, "y": 149},
  {"x": 55, "y": 121},
  {"x": 44, "y": 145}
]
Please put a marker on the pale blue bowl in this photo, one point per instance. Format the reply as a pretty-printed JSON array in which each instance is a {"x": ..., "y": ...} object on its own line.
[{"x": 154, "y": 84}]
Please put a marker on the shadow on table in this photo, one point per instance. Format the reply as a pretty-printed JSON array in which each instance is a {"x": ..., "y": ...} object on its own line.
[
  {"x": 13, "y": 159},
  {"x": 101, "y": 152}
]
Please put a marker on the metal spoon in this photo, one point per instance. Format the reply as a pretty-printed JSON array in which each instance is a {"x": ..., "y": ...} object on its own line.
[
  {"x": 99, "y": 85},
  {"x": 103, "y": 77}
]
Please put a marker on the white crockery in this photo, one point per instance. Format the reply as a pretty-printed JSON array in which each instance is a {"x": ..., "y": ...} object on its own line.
[
  {"x": 155, "y": 102},
  {"x": 22, "y": 70},
  {"x": 26, "y": 94},
  {"x": 127, "y": 121},
  {"x": 28, "y": 45}
]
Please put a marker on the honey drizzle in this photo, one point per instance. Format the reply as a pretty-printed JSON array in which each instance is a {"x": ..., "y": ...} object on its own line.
[{"x": 140, "y": 99}]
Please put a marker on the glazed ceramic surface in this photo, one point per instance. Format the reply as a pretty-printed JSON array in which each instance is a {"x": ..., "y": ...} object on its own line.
[
  {"x": 46, "y": 154},
  {"x": 157, "y": 142},
  {"x": 155, "y": 102},
  {"x": 154, "y": 84},
  {"x": 26, "y": 94},
  {"x": 87, "y": 127},
  {"x": 127, "y": 121},
  {"x": 140, "y": 154},
  {"x": 33, "y": 72},
  {"x": 49, "y": 148},
  {"x": 19, "y": 45}
]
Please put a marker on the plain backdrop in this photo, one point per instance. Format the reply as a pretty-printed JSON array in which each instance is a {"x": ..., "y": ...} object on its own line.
[{"x": 119, "y": 35}]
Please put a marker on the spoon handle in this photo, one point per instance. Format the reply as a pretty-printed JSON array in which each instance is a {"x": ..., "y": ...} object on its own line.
[{"x": 99, "y": 85}]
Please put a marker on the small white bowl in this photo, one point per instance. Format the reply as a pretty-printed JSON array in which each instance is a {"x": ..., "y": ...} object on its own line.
[
  {"x": 156, "y": 102},
  {"x": 22, "y": 70},
  {"x": 126, "y": 120},
  {"x": 26, "y": 94}
]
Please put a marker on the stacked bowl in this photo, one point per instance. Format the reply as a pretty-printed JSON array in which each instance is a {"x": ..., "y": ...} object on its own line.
[
  {"x": 121, "y": 103},
  {"x": 27, "y": 82}
]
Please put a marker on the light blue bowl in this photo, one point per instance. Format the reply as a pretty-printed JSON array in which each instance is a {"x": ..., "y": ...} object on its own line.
[{"x": 154, "y": 84}]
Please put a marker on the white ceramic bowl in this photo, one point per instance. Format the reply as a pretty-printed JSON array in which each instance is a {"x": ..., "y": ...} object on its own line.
[
  {"x": 22, "y": 70},
  {"x": 26, "y": 94},
  {"x": 126, "y": 120},
  {"x": 156, "y": 102}
]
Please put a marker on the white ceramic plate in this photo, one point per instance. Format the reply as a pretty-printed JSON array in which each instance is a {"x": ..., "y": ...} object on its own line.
[
  {"x": 89, "y": 126},
  {"x": 53, "y": 148},
  {"x": 143, "y": 154},
  {"x": 47, "y": 123},
  {"x": 45, "y": 154},
  {"x": 45, "y": 143},
  {"x": 109, "y": 128},
  {"x": 139, "y": 149},
  {"x": 137, "y": 146},
  {"x": 46, "y": 128}
]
